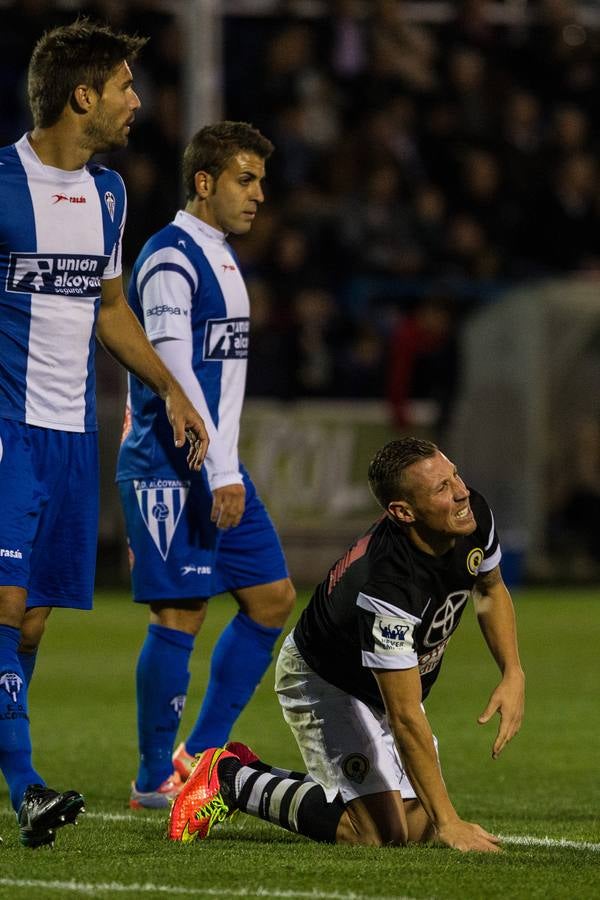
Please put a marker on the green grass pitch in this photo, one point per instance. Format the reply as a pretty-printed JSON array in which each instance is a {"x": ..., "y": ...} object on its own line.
[{"x": 544, "y": 790}]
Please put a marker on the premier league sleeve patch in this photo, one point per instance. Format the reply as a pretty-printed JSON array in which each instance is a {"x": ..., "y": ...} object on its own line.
[
  {"x": 387, "y": 635},
  {"x": 394, "y": 635}
]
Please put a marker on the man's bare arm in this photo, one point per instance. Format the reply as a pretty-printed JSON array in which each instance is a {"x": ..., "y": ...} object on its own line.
[
  {"x": 401, "y": 692},
  {"x": 496, "y": 617}
]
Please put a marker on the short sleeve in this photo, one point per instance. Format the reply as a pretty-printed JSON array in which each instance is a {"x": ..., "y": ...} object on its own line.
[{"x": 166, "y": 284}]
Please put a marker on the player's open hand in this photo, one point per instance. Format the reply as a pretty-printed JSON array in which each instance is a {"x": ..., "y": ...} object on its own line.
[
  {"x": 509, "y": 701},
  {"x": 467, "y": 836},
  {"x": 228, "y": 506},
  {"x": 187, "y": 424}
]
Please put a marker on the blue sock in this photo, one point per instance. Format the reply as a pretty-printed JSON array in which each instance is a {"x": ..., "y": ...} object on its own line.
[
  {"x": 240, "y": 659},
  {"x": 15, "y": 741},
  {"x": 27, "y": 661},
  {"x": 162, "y": 682}
]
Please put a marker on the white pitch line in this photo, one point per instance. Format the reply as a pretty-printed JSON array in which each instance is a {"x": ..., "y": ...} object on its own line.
[
  {"x": 525, "y": 840},
  {"x": 518, "y": 839},
  {"x": 528, "y": 841},
  {"x": 116, "y": 887}
]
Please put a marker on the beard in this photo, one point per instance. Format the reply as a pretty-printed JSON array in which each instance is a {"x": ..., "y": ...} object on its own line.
[{"x": 101, "y": 135}]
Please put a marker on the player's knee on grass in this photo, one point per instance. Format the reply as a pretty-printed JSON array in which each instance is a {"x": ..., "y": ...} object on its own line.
[
  {"x": 420, "y": 826},
  {"x": 373, "y": 822}
]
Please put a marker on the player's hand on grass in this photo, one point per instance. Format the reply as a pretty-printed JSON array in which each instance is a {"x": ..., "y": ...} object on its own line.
[
  {"x": 228, "y": 506},
  {"x": 187, "y": 424},
  {"x": 509, "y": 701},
  {"x": 467, "y": 836}
]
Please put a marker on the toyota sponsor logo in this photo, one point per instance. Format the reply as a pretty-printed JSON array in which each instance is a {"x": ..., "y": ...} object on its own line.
[{"x": 446, "y": 618}]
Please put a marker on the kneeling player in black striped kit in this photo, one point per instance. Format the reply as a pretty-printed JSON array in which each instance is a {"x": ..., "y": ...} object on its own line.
[{"x": 352, "y": 676}]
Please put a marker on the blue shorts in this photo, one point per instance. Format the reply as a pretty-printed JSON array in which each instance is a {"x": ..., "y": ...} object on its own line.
[
  {"x": 176, "y": 552},
  {"x": 48, "y": 513}
]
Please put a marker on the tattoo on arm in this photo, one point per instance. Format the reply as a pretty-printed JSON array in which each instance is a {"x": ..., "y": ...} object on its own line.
[{"x": 487, "y": 580}]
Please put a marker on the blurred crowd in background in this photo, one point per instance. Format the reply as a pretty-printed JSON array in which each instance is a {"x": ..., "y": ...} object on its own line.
[{"x": 421, "y": 169}]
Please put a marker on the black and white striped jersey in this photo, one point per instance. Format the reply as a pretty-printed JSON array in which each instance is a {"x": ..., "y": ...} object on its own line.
[{"x": 388, "y": 605}]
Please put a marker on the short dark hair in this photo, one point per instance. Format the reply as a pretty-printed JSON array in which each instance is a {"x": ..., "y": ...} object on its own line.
[
  {"x": 213, "y": 146},
  {"x": 83, "y": 52},
  {"x": 387, "y": 467}
]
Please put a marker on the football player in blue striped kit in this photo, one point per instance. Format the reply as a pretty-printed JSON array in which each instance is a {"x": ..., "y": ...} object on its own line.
[
  {"x": 192, "y": 536},
  {"x": 61, "y": 224}
]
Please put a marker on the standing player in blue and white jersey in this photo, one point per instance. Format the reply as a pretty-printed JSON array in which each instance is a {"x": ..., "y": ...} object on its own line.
[
  {"x": 194, "y": 536},
  {"x": 61, "y": 223}
]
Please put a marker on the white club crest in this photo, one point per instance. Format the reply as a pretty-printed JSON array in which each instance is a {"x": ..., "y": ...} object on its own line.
[
  {"x": 12, "y": 684},
  {"x": 178, "y": 704},
  {"x": 161, "y": 504},
  {"x": 109, "y": 199}
]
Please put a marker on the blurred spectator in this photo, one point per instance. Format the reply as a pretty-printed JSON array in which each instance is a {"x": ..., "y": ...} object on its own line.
[
  {"x": 471, "y": 26},
  {"x": 290, "y": 263},
  {"x": 271, "y": 359},
  {"x": 388, "y": 134},
  {"x": 556, "y": 45},
  {"x": 469, "y": 89},
  {"x": 569, "y": 133},
  {"x": 423, "y": 366},
  {"x": 22, "y": 23},
  {"x": 315, "y": 323},
  {"x": 521, "y": 143},
  {"x": 564, "y": 230},
  {"x": 149, "y": 204},
  {"x": 347, "y": 41},
  {"x": 296, "y": 159},
  {"x": 361, "y": 364},
  {"x": 287, "y": 65},
  {"x": 430, "y": 209},
  {"x": 376, "y": 225},
  {"x": 441, "y": 142},
  {"x": 469, "y": 254},
  {"x": 482, "y": 194},
  {"x": 402, "y": 53}
]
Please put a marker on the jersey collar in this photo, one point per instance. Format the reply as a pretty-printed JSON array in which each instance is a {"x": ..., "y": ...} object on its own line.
[
  {"x": 194, "y": 226},
  {"x": 66, "y": 176}
]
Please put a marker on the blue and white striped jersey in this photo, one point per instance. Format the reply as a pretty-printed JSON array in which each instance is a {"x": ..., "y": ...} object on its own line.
[
  {"x": 186, "y": 287},
  {"x": 60, "y": 235}
]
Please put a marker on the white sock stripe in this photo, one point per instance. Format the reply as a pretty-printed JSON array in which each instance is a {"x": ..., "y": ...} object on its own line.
[
  {"x": 297, "y": 799},
  {"x": 253, "y": 804},
  {"x": 277, "y": 798},
  {"x": 281, "y": 773},
  {"x": 245, "y": 778}
]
